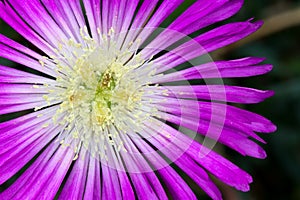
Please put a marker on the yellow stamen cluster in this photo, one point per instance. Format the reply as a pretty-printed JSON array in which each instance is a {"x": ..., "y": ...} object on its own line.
[{"x": 98, "y": 87}]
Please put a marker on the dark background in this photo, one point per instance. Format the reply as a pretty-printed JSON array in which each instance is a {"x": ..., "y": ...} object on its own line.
[{"x": 278, "y": 176}]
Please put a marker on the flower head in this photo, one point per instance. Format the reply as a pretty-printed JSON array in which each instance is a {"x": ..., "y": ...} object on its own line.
[{"x": 111, "y": 99}]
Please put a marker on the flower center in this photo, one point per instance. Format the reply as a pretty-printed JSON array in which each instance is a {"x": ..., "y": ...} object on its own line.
[
  {"x": 96, "y": 93},
  {"x": 100, "y": 89}
]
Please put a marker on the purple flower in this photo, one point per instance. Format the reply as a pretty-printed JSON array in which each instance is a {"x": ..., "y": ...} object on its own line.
[{"x": 112, "y": 100}]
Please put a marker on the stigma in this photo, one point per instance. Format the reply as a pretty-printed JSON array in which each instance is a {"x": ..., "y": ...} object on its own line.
[{"x": 99, "y": 88}]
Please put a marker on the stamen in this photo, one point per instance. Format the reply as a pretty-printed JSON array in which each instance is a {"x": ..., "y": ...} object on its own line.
[{"x": 100, "y": 88}]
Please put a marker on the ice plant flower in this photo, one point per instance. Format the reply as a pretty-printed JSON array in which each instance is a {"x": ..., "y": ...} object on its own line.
[{"x": 109, "y": 98}]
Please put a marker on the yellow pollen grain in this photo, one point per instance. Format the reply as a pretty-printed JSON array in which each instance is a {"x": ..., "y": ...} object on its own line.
[
  {"x": 42, "y": 63},
  {"x": 75, "y": 157},
  {"x": 45, "y": 125},
  {"x": 97, "y": 86}
]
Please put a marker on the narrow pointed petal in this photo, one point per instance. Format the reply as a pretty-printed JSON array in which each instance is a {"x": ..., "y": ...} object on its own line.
[
  {"x": 207, "y": 42},
  {"x": 232, "y": 94},
  {"x": 192, "y": 20},
  {"x": 37, "y": 183}
]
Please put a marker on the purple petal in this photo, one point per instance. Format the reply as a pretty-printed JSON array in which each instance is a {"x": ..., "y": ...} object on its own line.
[
  {"x": 92, "y": 8},
  {"x": 211, "y": 116},
  {"x": 8, "y": 14},
  {"x": 226, "y": 135},
  {"x": 145, "y": 184},
  {"x": 20, "y": 98},
  {"x": 10, "y": 51},
  {"x": 225, "y": 93},
  {"x": 75, "y": 185},
  {"x": 67, "y": 15},
  {"x": 207, "y": 42},
  {"x": 110, "y": 184},
  {"x": 21, "y": 89},
  {"x": 186, "y": 164},
  {"x": 10, "y": 75},
  {"x": 250, "y": 120},
  {"x": 142, "y": 15},
  {"x": 90, "y": 186},
  {"x": 193, "y": 170},
  {"x": 23, "y": 142},
  {"x": 5, "y": 109},
  {"x": 29, "y": 11},
  {"x": 214, "y": 163},
  {"x": 38, "y": 183},
  {"x": 204, "y": 13},
  {"x": 218, "y": 69},
  {"x": 158, "y": 16},
  {"x": 199, "y": 15}
]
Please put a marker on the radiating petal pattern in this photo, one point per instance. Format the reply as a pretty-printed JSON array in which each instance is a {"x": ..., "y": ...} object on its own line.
[{"x": 106, "y": 104}]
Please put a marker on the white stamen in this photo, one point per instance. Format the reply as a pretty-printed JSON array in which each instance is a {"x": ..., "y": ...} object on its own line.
[{"x": 100, "y": 90}]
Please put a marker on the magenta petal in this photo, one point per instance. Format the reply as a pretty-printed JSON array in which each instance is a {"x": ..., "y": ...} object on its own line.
[
  {"x": 92, "y": 8},
  {"x": 222, "y": 69},
  {"x": 126, "y": 188},
  {"x": 206, "y": 118},
  {"x": 97, "y": 188},
  {"x": 230, "y": 137},
  {"x": 176, "y": 185},
  {"x": 15, "y": 55},
  {"x": 187, "y": 165},
  {"x": 158, "y": 16},
  {"x": 204, "y": 13},
  {"x": 198, "y": 16},
  {"x": 66, "y": 19},
  {"x": 125, "y": 150},
  {"x": 32, "y": 10},
  {"x": 222, "y": 169},
  {"x": 11, "y": 18},
  {"x": 21, "y": 89},
  {"x": 23, "y": 153},
  {"x": 10, "y": 75},
  {"x": 23, "y": 142},
  {"x": 207, "y": 42},
  {"x": 141, "y": 18},
  {"x": 236, "y": 116},
  {"x": 5, "y": 109},
  {"x": 75, "y": 185},
  {"x": 38, "y": 183},
  {"x": 163, "y": 11},
  {"x": 199, "y": 176},
  {"x": 146, "y": 183},
  {"x": 91, "y": 187},
  {"x": 217, "y": 92},
  {"x": 214, "y": 163},
  {"x": 110, "y": 184}
]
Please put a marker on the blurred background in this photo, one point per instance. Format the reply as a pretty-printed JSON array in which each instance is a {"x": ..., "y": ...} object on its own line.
[{"x": 278, "y": 176}]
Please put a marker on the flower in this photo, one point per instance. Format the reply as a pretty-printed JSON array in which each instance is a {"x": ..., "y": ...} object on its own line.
[{"x": 110, "y": 100}]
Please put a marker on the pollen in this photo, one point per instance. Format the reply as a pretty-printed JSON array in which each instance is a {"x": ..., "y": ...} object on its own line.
[{"x": 100, "y": 89}]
